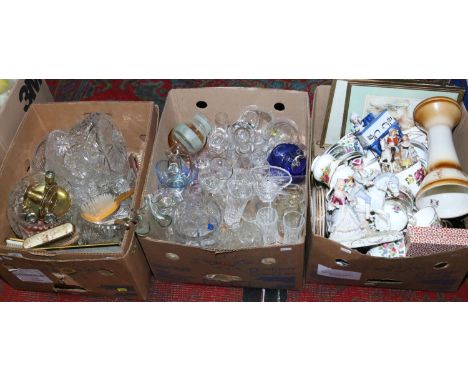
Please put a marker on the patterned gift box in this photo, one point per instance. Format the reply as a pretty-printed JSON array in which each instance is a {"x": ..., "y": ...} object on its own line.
[{"x": 423, "y": 241}]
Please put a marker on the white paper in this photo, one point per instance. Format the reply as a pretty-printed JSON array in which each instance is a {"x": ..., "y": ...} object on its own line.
[
  {"x": 31, "y": 275},
  {"x": 322, "y": 270}
]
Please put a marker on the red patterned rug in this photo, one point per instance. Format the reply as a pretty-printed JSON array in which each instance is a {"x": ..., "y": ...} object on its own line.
[{"x": 156, "y": 90}]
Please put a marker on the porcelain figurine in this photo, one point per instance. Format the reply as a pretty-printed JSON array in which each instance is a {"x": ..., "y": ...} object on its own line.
[
  {"x": 389, "y": 145},
  {"x": 408, "y": 154},
  {"x": 358, "y": 123},
  {"x": 345, "y": 223},
  {"x": 363, "y": 179},
  {"x": 383, "y": 184}
]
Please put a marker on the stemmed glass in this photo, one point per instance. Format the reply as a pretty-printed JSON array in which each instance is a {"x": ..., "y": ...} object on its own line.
[{"x": 269, "y": 181}]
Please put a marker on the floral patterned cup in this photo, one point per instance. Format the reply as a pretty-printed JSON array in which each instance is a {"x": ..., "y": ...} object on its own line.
[
  {"x": 323, "y": 168},
  {"x": 412, "y": 177}
]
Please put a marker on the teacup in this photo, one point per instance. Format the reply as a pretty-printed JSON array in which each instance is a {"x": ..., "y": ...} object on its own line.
[
  {"x": 427, "y": 217},
  {"x": 346, "y": 148},
  {"x": 395, "y": 214},
  {"x": 412, "y": 177},
  {"x": 323, "y": 167}
]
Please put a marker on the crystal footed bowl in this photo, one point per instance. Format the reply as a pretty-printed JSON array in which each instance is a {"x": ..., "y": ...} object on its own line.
[{"x": 197, "y": 221}]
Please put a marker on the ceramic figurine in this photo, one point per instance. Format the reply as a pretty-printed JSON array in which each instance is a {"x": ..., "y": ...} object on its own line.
[
  {"x": 345, "y": 223},
  {"x": 363, "y": 179},
  {"x": 407, "y": 152},
  {"x": 396, "y": 166},
  {"x": 389, "y": 145},
  {"x": 383, "y": 184},
  {"x": 357, "y": 123}
]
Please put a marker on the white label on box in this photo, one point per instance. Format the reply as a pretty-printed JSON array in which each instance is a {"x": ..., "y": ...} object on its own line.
[
  {"x": 322, "y": 270},
  {"x": 285, "y": 249},
  {"x": 31, "y": 275},
  {"x": 15, "y": 255}
]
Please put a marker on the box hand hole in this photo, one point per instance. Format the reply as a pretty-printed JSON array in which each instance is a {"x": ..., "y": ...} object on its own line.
[
  {"x": 374, "y": 282},
  {"x": 279, "y": 106},
  {"x": 27, "y": 165},
  {"x": 268, "y": 261},
  {"x": 69, "y": 288},
  {"x": 341, "y": 262},
  {"x": 202, "y": 104},
  {"x": 222, "y": 278},
  {"x": 172, "y": 256},
  {"x": 441, "y": 265},
  {"x": 105, "y": 272}
]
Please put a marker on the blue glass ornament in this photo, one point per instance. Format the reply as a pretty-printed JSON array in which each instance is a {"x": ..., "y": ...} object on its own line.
[{"x": 291, "y": 158}]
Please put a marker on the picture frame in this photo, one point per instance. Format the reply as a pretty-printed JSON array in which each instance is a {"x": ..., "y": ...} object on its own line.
[{"x": 364, "y": 96}]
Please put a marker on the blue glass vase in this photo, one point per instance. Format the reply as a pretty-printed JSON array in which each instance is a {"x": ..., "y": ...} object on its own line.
[{"x": 291, "y": 158}]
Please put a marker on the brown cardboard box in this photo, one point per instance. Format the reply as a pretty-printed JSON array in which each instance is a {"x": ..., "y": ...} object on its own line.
[
  {"x": 268, "y": 267},
  {"x": 123, "y": 272},
  {"x": 22, "y": 96},
  {"x": 330, "y": 262}
]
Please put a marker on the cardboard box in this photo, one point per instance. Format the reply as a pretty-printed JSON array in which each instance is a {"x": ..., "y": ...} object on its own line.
[
  {"x": 279, "y": 266},
  {"x": 330, "y": 262},
  {"x": 123, "y": 272},
  {"x": 23, "y": 94}
]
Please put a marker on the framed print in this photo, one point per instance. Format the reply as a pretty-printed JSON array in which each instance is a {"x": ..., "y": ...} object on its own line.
[{"x": 366, "y": 96}]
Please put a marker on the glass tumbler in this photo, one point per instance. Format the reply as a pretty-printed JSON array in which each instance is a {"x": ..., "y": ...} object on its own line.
[
  {"x": 162, "y": 204},
  {"x": 214, "y": 177},
  {"x": 293, "y": 223},
  {"x": 267, "y": 219},
  {"x": 239, "y": 192},
  {"x": 249, "y": 235}
]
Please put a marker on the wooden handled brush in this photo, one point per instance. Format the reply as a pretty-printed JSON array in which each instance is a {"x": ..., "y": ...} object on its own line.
[{"x": 102, "y": 206}]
